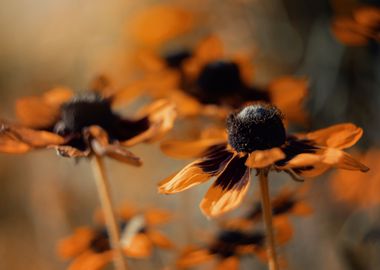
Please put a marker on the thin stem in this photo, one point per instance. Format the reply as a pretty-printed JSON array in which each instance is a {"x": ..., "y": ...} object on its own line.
[
  {"x": 106, "y": 202},
  {"x": 267, "y": 213}
]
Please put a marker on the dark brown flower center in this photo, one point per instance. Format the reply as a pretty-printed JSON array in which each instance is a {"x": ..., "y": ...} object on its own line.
[
  {"x": 83, "y": 111},
  {"x": 220, "y": 77},
  {"x": 175, "y": 59},
  {"x": 256, "y": 127},
  {"x": 228, "y": 241}
]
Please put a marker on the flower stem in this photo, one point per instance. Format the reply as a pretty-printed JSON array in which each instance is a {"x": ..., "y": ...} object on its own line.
[
  {"x": 105, "y": 199},
  {"x": 267, "y": 213}
]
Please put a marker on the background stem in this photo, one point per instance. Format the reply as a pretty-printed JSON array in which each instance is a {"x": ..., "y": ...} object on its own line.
[
  {"x": 108, "y": 210},
  {"x": 267, "y": 213}
]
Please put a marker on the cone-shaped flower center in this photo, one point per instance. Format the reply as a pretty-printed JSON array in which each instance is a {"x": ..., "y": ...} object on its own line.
[
  {"x": 256, "y": 127},
  {"x": 220, "y": 77},
  {"x": 86, "y": 110}
]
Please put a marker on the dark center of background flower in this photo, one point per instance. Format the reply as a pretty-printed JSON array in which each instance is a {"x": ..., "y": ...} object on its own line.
[
  {"x": 228, "y": 241},
  {"x": 220, "y": 77},
  {"x": 256, "y": 127},
  {"x": 175, "y": 59},
  {"x": 86, "y": 110}
]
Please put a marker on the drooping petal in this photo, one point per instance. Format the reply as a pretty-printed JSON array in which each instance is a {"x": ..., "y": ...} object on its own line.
[
  {"x": 194, "y": 256},
  {"x": 189, "y": 149},
  {"x": 339, "y": 136},
  {"x": 11, "y": 145},
  {"x": 161, "y": 115},
  {"x": 198, "y": 171},
  {"x": 264, "y": 158},
  {"x": 342, "y": 160},
  {"x": 43, "y": 111},
  {"x": 160, "y": 240},
  {"x": 19, "y": 137},
  {"x": 140, "y": 246},
  {"x": 230, "y": 263},
  {"x": 228, "y": 190},
  {"x": 71, "y": 152},
  {"x": 91, "y": 261},
  {"x": 76, "y": 243},
  {"x": 188, "y": 177},
  {"x": 100, "y": 145}
]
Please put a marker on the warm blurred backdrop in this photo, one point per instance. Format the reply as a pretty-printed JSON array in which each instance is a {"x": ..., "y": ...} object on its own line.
[{"x": 43, "y": 197}]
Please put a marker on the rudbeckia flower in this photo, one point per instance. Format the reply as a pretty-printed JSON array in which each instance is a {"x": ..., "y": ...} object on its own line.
[
  {"x": 359, "y": 29},
  {"x": 79, "y": 125},
  {"x": 207, "y": 81},
  {"x": 256, "y": 139},
  {"x": 357, "y": 190},
  {"x": 230, "y": 246},
  {"x": 89, "y": 247}
]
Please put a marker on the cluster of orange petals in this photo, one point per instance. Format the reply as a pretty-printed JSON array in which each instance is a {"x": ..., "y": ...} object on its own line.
[
  {"x": 359, "y": 29},
  {"x": 135, "y": 244}
]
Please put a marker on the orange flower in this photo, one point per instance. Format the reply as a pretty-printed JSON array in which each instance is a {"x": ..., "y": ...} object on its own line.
[
  {"x": 359, "y": 29},
  {"x": 229, "y": 246},
  {"x": 257, "y": 140},
  {"x": 356, "y": 189},
  {"x": 89, "y": 247},
  {"x": 207, "y": 81},
  {"x": 79, "y": 125}
]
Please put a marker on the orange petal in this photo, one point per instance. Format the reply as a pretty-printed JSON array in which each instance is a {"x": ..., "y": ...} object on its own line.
[
  {"x": 42, "y": 112},
  {"x": 368, "y": 16},
  {"x": 342, "y": 160},
  {"x": 186, "y": 105},
  {"x": 301, "y": 209},
  {"x": 283, "y": 229},
  {"x": 188, "y": 149},
  {"x": 338, "y": 136},
  {"x": 161, "y": 115},
  {"x": 100, "y": 145},
  {"x": 209, "y": 49},
  {"x": 221, "y": 198},
  {"x": 194, "y": 257},
  {"x": 156, "y": 216},
  {"x": 11, "y": 145},
  {"x": 71, "y": 152},
  {"x": 160, "y": 23},
  {"x": 264, "y": 158},
  {"x": 140, "y": 246},
  {"x": 188, "y": 177},
  {"x": 33, "y": 138},
  {"x": 349, "y": 32},
  {"x": 75, "y": 244},
  {"x": 91, "y": 261},
  {"x": 230, "y": 263},
  {"x": 288, "y": 94},
  {"x": 160, "y": 240}
]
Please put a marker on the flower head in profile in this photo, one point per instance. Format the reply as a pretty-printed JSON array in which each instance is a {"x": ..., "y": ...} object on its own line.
[
  {"x": 229, "y": 246},
  {"x": 205, "y": 80},
  {"x": 359, "y": 29},
  {"x": 256, "y": 139},
  {"x": 89, "y": 247},
  {"x": 83, "y": 124}
]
